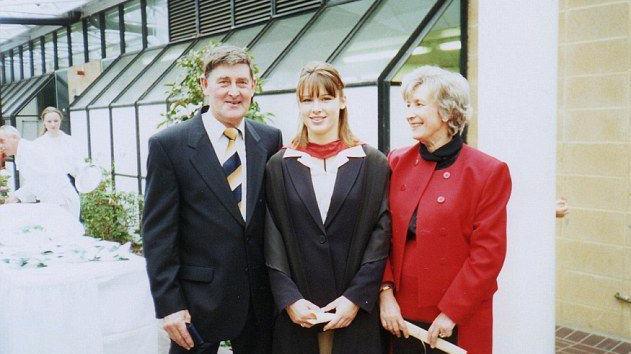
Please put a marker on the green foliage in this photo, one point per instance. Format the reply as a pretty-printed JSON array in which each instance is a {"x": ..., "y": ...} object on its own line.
[
  {"x": 111, "y": 215},
  {"x": 186, "y": 97},
  {"x": 4, "y": 188}
]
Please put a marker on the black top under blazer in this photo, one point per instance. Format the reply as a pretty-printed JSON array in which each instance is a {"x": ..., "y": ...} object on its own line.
[{"x": 201, "y": 254}]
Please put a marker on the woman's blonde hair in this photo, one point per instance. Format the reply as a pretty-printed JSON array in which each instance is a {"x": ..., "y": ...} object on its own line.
[
  {"x": 45, "y": 112},
  {"x": 450, "y": 92},
  {"x": 314, "y": 77}
]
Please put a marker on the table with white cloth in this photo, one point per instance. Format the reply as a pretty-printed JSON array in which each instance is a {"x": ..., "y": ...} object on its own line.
[{"x": 102, "y": 305}]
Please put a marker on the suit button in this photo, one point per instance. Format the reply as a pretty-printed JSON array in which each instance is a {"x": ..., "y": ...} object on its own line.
[
  {"x": 246, "y": 269},
  {"x": 403, "y": 187},
  {"x": 443, "y": 232},
  {"x": 443, "y": 261},
  {"x": 440, "y": 199},
  {"x": 322, "y": 239},
  {"x": 446, "y": 175},
  {"x": 425, "y": 268},
  {"x": 416, "y": 161}
]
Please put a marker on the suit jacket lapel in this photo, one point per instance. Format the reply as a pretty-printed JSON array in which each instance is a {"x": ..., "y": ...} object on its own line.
[
  {"x": 300, "y": 177},
  {"x": 205, "y": 162},
  {"x": 256, "y": 158},
  {"x": 415, "y": 176},
  {"x": 346, "y": 177}
]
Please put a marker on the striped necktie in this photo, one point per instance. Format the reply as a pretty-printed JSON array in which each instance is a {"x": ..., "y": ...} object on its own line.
[{"x": 232, "y": 166}]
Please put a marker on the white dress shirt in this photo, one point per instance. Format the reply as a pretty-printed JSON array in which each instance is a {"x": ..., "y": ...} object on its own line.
[
  {"x": 324, "y": 179},
  {"x": 219, "y": 141},
  {"x": 43, "y": 178}
]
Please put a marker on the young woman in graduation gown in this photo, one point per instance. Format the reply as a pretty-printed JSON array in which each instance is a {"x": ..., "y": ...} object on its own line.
[{"x": 328, "y": 230}]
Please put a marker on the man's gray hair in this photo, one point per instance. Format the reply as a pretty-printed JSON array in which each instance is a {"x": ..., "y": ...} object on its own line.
[{"x": 9, "y": 129}]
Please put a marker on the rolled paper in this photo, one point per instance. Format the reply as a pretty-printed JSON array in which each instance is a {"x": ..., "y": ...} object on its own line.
[
  {"x": 321, "y": 317},
  {"x": 421, "y": 334}
]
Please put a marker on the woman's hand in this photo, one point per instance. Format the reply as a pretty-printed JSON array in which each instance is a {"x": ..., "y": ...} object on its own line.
[
  {"x": 301, "y": 312},
  {"x": 345, "y": 312},
  {"x": 390, "y": 314},
  {"x": 441, "y": 327}
]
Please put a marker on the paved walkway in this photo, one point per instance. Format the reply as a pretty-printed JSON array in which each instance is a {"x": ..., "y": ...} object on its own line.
[{"x": 572, "y": 341}]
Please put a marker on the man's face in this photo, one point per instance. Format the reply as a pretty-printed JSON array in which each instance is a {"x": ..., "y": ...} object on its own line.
[
  {"x": 229, "y": 89},
  {"x": 9, "y": 143}
]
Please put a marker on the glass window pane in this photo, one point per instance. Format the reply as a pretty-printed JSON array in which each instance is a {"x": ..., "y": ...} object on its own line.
[
  {"x": 77, "y": 43},
  {"x": 112, "y": 34},
  {"x": 175, "y": 75},
  {"x": 149, "y": 75},
  {"x": 157, "y": 22},
  {"x": 37, "y": 57},
  {"x": 379, "y": 39},
  {"x": 62, "y": 48},
  {"x": 242, "y": 38},
  {"x": 133, "y": 26},
  {"x": 103, "y": 81},
  {"x": 49, "y": 53},
  {"x": 441, "y": 46},
  {"x": 26, "y": 61},
  {"x": 276, "y": 38},
  {"x": 317, "y": 43},
  {"x": 94, "y": 37},
  {"x": 16, "y": 65},
  {"x": 6, "y": 70},
  {"x": 143, "y": 60}
]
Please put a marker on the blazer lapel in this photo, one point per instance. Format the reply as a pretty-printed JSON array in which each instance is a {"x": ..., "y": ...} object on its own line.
[
  {"x": 205, "y": 162},
  {"x": 256, "y": 158},
  {"x": 346, "y": 177},
  {"x": 300, "y": 177}
]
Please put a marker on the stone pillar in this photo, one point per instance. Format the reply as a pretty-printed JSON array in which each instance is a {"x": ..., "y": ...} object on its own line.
[{"x": 517, "y": 83}]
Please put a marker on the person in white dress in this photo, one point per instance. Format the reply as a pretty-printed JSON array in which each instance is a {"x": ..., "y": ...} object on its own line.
[
  {"x": 42, "y": 177},
  {"x": 57, "y": 143}
]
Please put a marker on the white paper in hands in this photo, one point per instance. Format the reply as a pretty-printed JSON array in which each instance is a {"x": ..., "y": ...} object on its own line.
[
  {"x": 321, "y": 317},
  {"x": 421, "y": 334}
]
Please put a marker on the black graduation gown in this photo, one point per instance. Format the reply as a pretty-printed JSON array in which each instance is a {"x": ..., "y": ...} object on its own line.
[{"x": 320, "y": 261}]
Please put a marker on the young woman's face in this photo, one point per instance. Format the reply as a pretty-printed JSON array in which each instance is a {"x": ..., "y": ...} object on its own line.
[
  {"x": 320, "y": 113},
  {"x": 52, "y": 122}
]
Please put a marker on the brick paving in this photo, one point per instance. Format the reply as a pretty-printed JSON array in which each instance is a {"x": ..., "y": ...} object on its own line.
[{"x": 570, "y": 341}]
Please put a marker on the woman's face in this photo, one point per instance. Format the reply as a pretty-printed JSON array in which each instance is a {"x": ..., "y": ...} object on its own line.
[
  {"x": 321, "y": 115},
  {"x": 422, "y": 115},
  {"x": 52, "y": 122}
]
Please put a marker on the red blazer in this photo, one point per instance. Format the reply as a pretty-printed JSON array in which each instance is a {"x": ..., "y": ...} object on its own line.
[{"x": 460, "y": 233}]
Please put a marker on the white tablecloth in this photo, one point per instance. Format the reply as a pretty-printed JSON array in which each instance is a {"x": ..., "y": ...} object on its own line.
[{"x": 82, "y": 308}]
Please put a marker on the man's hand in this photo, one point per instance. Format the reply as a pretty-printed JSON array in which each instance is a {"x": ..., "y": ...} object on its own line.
[
  {"x": 175, "y": 325},
  {"x": 345, "y": 312},
  {"x": 301, "y": 312},
  {"x": 441, "y": 327},
  {"x": 390, "y": 314}
]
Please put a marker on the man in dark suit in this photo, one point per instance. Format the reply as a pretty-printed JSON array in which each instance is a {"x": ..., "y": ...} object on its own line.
[{"x": 204, "y": 216}]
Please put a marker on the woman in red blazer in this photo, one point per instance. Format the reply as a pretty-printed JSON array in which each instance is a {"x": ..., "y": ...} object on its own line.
[{"x": 448, "y": 204}]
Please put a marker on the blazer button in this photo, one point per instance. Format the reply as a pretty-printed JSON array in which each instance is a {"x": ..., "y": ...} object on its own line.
[
  {"x": 322, "y": 239},
  {"x": 443, "y": 261},
  {"x": 446, "y": 175},
  {"x": 443, "y": 232},
  {"x": 403, "y": 187},
  {"x": 416, "y": 162},
  {"x": 440, "y": 199},
  {"x": 246, "y": 269}
]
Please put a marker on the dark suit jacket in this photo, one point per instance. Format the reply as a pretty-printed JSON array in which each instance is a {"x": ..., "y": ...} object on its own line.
[
  {"x": 320, "y": 260},
  {"x": 201, "y": 254}
]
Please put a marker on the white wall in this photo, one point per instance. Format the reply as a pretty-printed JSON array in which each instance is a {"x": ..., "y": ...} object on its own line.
[
  {"x": 125, "y": 151},
  {"x": 100, "y": 138},
  {"x": 517, "y": 77},
  {"x": 79, "y": 130},
  {"x": 148, "y": 119}
]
